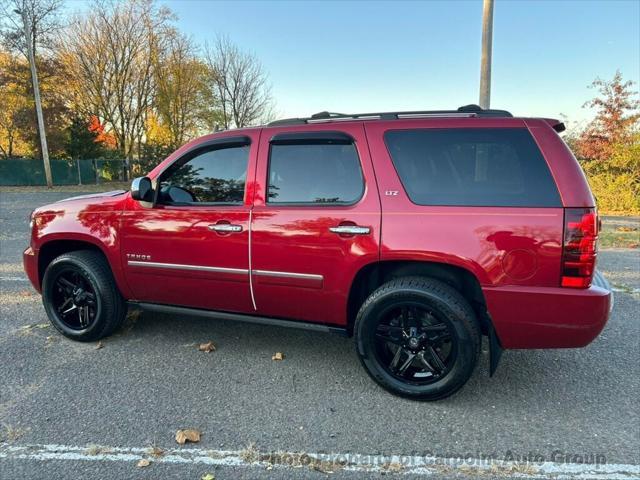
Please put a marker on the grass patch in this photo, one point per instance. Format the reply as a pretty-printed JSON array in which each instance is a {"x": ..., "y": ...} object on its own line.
[
  {"x": 96, "y": 450},
  {"x": 11, "y": 433},
  {"x": 250, "y": 453},
  {"x": 619, "y": 237}
]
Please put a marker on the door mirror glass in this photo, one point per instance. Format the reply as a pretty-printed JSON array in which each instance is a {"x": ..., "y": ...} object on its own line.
[{"x": 141, "y": 189}]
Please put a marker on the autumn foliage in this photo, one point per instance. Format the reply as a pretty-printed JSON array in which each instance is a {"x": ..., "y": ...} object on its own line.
[{"x": 609, "y": 147}]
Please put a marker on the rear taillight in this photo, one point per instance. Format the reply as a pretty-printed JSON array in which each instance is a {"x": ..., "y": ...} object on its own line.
[{"x": 580, "y": 247}]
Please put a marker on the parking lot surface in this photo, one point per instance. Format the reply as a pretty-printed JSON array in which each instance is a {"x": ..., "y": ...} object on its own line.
[{"x": 72, "y": 410}]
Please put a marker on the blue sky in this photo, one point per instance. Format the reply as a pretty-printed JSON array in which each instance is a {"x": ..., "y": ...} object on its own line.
[{"x": 378, "y": 55}]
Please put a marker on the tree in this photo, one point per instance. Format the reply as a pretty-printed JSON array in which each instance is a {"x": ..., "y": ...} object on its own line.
[
  {"x": 18, "y": 125},
  {"x": 44, "y": 20},
  {"x": 83, "y": 139},
  {"x": 183, "y": 100},
  {"x": 12, "y": 110},
  {"x": 615, "y": 122},
  {"x": 113, "y": 73},
  {"x": 240, "y": 84}
]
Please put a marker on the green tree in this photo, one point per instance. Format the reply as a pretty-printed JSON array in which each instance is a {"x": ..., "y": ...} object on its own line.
[{"x": 81, "y": 142}]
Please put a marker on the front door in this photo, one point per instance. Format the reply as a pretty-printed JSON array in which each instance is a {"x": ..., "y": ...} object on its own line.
[
  {"x": 190, "y": 247},
  {"x": 316, "y": 221}
]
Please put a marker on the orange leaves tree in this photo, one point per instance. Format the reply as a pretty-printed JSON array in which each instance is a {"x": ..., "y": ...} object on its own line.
[
  {"x": 615, "y": 122},
  {"x": 609, "y": 147}
]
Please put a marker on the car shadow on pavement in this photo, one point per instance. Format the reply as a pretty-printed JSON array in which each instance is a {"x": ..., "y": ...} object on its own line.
[{"x": 324, "y": 359}]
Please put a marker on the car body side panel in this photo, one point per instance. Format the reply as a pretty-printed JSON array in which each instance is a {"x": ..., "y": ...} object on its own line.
[
  {"x": 570, "y": 179},
  {"x": 295, "y": 239},
  {"x": 514, "y": 252},
  {"x": 171, "y": 255}
]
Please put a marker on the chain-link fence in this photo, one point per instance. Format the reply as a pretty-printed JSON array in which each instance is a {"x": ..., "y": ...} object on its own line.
[{"x": 17, "y": 172}]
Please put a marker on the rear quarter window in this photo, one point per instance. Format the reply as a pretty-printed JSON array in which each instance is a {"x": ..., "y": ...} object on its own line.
[{"x": 472, "y": 167}]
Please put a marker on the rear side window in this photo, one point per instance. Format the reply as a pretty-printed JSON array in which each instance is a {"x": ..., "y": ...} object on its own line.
[
  {"x": 311, "y": 173},
  {"x": 500, "y": 167}
]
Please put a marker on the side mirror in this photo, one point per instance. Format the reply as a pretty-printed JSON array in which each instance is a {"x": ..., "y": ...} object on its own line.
[{"x": 141, "y": 189}]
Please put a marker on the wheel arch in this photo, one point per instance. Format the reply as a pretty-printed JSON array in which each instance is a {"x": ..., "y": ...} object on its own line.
[
  {"x": 54, "y": 247},
  {"x": 373, "y": 275}
]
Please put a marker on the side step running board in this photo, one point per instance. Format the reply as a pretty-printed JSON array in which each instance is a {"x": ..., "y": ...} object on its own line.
[{"x": 155, "y": 307}]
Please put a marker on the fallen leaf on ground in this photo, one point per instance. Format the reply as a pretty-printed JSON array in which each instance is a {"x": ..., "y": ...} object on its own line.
[
  {"x": 187, "y": 435},
  {"x": 278, "y": 356},
  {"x": 99, "y": 345},
  {"x": 208, "y": 476},
  {"x": 207, "y": 347},
  {"x": 144, "y": 463},
  {"x": 156, "y": 451}
]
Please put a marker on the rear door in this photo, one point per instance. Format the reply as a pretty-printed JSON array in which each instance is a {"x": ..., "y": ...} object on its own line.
[{"x": 316, "y": 221}]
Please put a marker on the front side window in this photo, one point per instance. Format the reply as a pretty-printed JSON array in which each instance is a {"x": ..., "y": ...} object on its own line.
[
  {"x": 472, "y": 167},
  {"x": 207, "y": 176},
  {"x": 323, "y": 173}
]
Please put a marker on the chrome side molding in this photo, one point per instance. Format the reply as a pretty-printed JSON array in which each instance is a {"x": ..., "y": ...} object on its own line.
[
  {"x": 238, "y": 271},
  {"x": 302, "y": 276},
  {"x": 180, "y": 266}
]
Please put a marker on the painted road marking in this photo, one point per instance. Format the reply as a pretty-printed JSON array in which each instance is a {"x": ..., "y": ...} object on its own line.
[
  {"x": 13, "y": 279},
  {"x": 404, "y": 464}
]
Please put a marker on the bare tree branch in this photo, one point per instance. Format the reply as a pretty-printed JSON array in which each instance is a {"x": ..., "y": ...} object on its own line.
[{"x": 240, "y": 84}]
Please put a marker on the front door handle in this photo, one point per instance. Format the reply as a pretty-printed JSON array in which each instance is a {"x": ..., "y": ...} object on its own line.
[
  {"x": 225, "y": 228},
  {"x": 350, "y": 230}
]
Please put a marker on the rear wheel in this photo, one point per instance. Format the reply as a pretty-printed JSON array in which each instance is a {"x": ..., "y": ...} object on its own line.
[
  {"x": 80, "y": 296},
  {"x": 418, "y": 338}
]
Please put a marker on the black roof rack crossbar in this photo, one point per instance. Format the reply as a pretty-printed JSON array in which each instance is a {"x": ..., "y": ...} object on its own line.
[{"x": 464, "y": 111}]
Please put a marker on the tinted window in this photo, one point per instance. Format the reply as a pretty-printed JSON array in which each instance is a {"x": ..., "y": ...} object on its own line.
[
  {"x": 209, "y": 176},
  {"x": 327, "y": 174},
  {"x": 480, "y": 166}
]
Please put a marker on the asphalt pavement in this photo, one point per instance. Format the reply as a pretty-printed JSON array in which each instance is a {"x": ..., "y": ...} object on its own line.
[{"x": 73, "y": 410}]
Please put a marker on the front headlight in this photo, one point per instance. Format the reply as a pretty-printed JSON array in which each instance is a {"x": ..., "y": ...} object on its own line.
[{"x": 31, "y": 220}]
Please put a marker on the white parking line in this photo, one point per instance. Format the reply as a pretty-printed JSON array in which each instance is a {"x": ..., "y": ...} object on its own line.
[
  {"x": 405, "y": 464},
  {"x": 13, "y": 279}
]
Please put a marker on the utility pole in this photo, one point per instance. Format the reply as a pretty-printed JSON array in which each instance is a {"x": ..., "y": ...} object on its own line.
[
  {"x": 36, "y": 94},
  {"x": 485, "y": 63}
]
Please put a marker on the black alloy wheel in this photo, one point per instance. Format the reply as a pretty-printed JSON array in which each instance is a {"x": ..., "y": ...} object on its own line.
[
  {"x": 80, "y": 296},
  {"x": 418, "y": 337}
]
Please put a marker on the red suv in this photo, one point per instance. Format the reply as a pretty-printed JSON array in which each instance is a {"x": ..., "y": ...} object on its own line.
[{"x": 415, "y": 232}]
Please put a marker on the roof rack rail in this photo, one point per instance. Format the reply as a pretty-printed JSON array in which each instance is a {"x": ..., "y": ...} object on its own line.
[{"x": 465, "y": 111}]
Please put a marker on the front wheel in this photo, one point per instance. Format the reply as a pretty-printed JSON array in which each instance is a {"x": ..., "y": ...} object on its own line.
[
  {"x": 80, "y": 296},
  {"x": 418, "y": 338}
]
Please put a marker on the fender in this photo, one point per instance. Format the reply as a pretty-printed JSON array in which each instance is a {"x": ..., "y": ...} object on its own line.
[
  {"x": 92, "y": 220},
  {"x": 467, "y": 264},
  {"x": 111, "y": 253}
]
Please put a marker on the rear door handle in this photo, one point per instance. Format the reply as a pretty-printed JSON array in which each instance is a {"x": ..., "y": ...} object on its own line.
[
  {"x": 225, "y": 227},
  {"x": 350, "y": 230}
]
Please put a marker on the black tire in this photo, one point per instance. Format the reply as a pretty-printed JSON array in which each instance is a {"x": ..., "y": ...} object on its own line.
[
  {"x": 436, "y": 305},
  {"x": 101, "y": 296}
]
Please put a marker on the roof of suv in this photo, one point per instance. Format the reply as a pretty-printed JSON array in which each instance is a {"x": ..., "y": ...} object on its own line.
[{"x": 466, "y": 111}]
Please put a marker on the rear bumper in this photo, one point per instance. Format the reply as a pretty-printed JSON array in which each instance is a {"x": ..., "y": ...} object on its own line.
[
  {"x": 545, "y": 317},
  {"x": 30, "y": 263}
]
